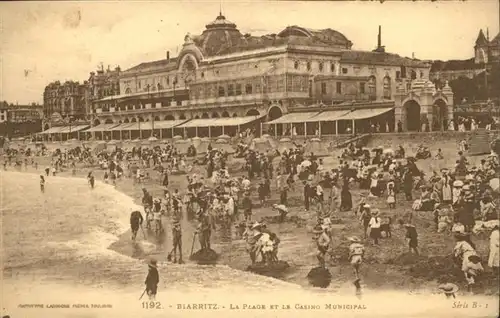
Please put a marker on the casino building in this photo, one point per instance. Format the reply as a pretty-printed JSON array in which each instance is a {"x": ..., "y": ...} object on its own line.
[{"x": 299, "y": 80}]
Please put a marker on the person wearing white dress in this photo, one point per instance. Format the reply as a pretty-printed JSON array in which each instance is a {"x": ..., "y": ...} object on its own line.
[{"x": 493, "y": 259}]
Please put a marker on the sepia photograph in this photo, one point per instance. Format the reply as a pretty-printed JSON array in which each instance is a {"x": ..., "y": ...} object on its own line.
[{"x": 249, "y": 158}]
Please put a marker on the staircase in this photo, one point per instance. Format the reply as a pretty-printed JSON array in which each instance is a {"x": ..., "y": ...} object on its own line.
[{"x": 479, "y": 143}]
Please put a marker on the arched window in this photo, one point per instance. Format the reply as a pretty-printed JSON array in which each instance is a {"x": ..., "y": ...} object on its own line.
[
  {"x": 128, "y": 91},
  {"x": 308, "y": 66},
  {"x": 320, "y": 66},
  {"x": 296, "y": 65},
  {"x": 387, "y": 87},
  {"x": 332, "y": 67},
  {"x": 372, "y": 87}
]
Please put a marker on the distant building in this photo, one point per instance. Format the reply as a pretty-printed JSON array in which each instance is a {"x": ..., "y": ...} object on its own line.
[
  {"x": 102, "y": 83},
  {"x": 3, "y": 114},
  {"x": 66, "y": 99},
  {"x": 486, "y": 53},
  {"x": 20, "y": 120}
]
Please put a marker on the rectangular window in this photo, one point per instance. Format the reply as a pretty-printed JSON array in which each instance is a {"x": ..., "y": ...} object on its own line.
[
  {"x": 238, "y": 89},
  {"x": 339, "y": 87},
  {"x": 403, "y": 71},
  {"x": 222, "y": 91},
  {"x": 230, "y": 90},
  {"x": 323, "y": 88},
  {"x": 398, "y": 74},
  {"x": 344, "y": 70},
  {"x": 248, "y": 88},
  {"x": 361, "y": 88}
]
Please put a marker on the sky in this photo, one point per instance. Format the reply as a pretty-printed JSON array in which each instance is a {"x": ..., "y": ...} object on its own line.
[{"x": 44, "y": 42}]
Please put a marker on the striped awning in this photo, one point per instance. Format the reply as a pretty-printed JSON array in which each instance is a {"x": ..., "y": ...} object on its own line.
[
  {"x": 365, "y": 113},
  {"x": 294, "y": 118},
  {"x": 329, "y": 115},
  {"x": 53, "y": 130},
  {"x": 219, "y": 122},
  {"x": 101, "y": 127},
  {"x": 68, "y": 129}
]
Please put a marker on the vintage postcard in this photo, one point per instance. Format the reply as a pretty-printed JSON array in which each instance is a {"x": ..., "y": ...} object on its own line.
[{"x": 249, "y": 159}]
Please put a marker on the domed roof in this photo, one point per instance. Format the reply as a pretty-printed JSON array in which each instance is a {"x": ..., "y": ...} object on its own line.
[
  {"x": 221, "y": 22},
  {"x": 218, "y": 36}
]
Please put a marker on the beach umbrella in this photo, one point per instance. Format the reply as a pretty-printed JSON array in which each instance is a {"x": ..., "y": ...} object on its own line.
[
  {"x": 182, "y": 146},
  {"x": 305, "y": 163},
  {"x": 112, "y": 142},
  {"x": 196, "y": 141},
  {"x": 388, "y": 151},
  {"x": 177, "y": 137},
  {"x": 224, "y": 137},
  {"x": 495, "y": 184},
  {"x": 152, "y": 138},
  {"x": 221, "y": 141},
  {"x": 285, "y": 144},
  {"x": 165, "y": 141}
]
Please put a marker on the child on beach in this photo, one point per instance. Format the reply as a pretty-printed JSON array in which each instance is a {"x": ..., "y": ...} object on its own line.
[
  {"x": 106, "y": 177},
  {"x": 391, "y": 195},
  {"x": 42, "y": 184}
]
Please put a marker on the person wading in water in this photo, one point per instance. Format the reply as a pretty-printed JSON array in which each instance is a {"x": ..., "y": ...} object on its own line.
[
  {"x": 136, "y": 220},
  {"x": 177, "y": 242},
  {"x": 152, "y": 280}
]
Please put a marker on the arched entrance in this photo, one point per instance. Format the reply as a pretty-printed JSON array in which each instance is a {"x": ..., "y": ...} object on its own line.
[
  {"x": 225, "y": 114},
  {"x": 204, "y": 115},
  {"x": 46, "y": 127},
  {"x": 169, "y": 117},
  {"x": 412, "y": 111},
  {"x": 277, "y": 129},
  {"x": 108, "y": 121},
  {"x": 274, "y": 112},
  {"x": 126, "y": 121},
  {"x": 157, "y": 118},
  {"x": 133, "y": 120},
  {"x": 439, "y": 115},
  {"x": 182, "y": 116},
  {"x": 97, "y": 122},
  {"x": 215, "y": 115},
  {"x": 253, "y": 112},
  {"x": 235, "y": 115},
  {"x": 141, "y": 119}
]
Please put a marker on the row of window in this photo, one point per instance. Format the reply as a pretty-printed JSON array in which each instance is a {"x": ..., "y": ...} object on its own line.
[{"x": 362, "y": 87}]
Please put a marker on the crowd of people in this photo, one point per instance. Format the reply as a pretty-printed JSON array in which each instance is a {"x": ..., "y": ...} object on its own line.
[{"x": 461, "y": 200}]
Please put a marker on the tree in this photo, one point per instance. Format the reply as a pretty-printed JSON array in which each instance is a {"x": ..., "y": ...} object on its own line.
[{"x": 463, "y": 87}]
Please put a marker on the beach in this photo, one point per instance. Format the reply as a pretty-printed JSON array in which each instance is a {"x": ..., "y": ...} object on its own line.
[{"x": 77, "y": 246}]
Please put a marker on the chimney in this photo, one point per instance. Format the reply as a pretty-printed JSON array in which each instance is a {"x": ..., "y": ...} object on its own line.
[
  {"x": 168, "y": 55},
  {"x": 413, "y": 55},
  {"x": 379, "y": 43},
  {"x": 117, "y": 68}
]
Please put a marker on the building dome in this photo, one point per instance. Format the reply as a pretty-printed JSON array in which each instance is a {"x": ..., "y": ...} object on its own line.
[{"x": 218, "y": 36}]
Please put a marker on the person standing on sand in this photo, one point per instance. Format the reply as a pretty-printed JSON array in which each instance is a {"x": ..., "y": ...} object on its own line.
[
  {"x": 493, "y": 259},
  {"x": 42, "y": 184},
  {"x": 91, "y": 179},
  {"x": 412, "y": 236},
  {"x": 136, "y": 220},
  {"x": 152, "y": 280},
  {"x": 374, "y": 225},
  {"x": 323, "y": 243},
  {"x": 47, "y": 171},
  {"x": 356, "y": 253}
]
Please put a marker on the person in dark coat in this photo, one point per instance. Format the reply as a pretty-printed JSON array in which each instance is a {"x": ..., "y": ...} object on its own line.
[
  {"x": 412, "y": 236},
  {"x": 152, "y": 280},
  {"x": 307, "y": 193},
  {"x": 407, "y": 184},
  {"x": 345, "y": 197},
  {"x": 247, "y": 207},
  {"x": 136, "y": 220}
]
